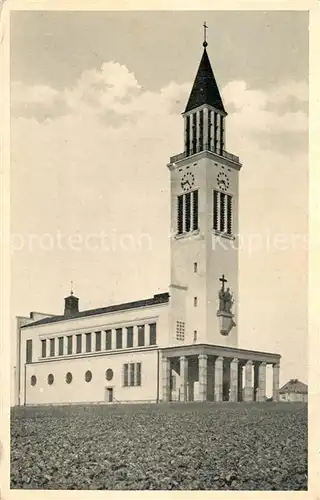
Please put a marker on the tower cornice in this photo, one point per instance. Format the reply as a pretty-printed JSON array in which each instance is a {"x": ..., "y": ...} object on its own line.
[
  {"x": 183, "y": 159},
  {"x": 204, "y": 106}
]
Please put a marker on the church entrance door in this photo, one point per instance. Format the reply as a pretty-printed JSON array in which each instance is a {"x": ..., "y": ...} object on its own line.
[{"x": 109, "y": 394}]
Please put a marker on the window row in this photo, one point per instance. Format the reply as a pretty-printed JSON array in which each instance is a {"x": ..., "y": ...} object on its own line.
[
  {"x": 69, "y": 377},
  {"x": 187, "y": 212},
  {"x": 131, "y": 374},
  {"x": 95, "y": 342}
]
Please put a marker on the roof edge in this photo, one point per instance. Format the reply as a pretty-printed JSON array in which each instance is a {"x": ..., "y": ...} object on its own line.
[{"x": 156, "y": 300}]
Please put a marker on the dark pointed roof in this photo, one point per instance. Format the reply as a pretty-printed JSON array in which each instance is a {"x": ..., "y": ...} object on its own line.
[
  {"x": 205, "y": 89},
  {"x": 294, "y": 385}
]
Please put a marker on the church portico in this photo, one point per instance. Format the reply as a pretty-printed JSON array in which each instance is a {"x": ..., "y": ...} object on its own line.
[{"x": 201, "y": 373}]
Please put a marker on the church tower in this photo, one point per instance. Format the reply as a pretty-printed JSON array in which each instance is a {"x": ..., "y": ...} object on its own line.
[{"x": 204, "y": 219}]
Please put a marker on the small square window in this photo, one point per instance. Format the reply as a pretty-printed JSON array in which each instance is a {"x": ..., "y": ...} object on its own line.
[{"x": 180, "y": 330}]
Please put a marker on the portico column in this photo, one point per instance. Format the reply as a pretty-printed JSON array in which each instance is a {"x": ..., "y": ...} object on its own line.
[
  {"x": 234, "y": 380},
  {"x": 184, "y": 378},
  {"x": 248, "y": 389},
  {"x": 275, "y": 382},
  {"x": 203, "y": 377},
  {"x": 218, "y": 379},
  {"x": 262, "y": 382},
  {"x": 165, "y": 379}
]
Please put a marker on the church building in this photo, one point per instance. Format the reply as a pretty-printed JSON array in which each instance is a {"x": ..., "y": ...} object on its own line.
[{"x": 181, "y": 345}]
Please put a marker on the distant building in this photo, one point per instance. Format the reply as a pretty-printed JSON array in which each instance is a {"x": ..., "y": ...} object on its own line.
[{"x": 294, "y": 390}]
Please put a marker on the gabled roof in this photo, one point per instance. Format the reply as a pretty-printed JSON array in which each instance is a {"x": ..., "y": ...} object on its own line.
[
  {"x": 205, "y": 89},
  {"x": 160, "y": 298},
  {"x": 294, "y": 385}
]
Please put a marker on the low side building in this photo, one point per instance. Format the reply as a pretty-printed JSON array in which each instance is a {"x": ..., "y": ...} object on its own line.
[{"x": 294, "y": 391}]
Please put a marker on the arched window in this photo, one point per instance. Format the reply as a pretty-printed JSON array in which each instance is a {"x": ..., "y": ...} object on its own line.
[
  {"x": 88, "y": 376},
  {"x": 33, "y": 380},
  {"x": 69, "y": 378},
  {"x": 109, "y": 374},
  {"x": 50, "y": 379}
]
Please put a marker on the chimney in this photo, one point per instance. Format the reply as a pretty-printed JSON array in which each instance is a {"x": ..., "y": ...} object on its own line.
[{"x": 71, "y": 305}]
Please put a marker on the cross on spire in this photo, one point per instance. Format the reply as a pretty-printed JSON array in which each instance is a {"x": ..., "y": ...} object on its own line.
[
  {"x": 205, "y": 27},
  {"x": 71, "y": 291},
  {"x": 223, "y": 280}
]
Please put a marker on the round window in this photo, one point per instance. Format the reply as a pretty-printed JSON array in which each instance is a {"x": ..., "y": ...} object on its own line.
[
  {"x": 50, "y": 379},
  {"x": 88, "y": 376},
  {"x": 109, "y": 374},
  {"x": 69, "y": 378},
  {"x": 33, "y": 380}
]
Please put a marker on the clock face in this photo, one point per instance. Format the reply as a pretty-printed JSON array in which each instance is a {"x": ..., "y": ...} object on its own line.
[
  {"x": 223, "y": 181},
  {"x": 187, "y": 181}
]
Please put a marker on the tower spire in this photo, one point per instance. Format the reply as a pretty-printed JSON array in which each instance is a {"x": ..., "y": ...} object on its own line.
[
  {"x": 205, "y": 27},
  {"x": 205, "y": 89}
]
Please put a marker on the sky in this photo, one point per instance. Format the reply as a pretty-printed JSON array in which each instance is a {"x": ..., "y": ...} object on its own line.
[{"x": 96, "y": 103}]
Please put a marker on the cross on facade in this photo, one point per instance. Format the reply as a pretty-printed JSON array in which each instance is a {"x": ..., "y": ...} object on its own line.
[
  {"x": 205, "y": 27},
  {"x": 223, "y": 280}
]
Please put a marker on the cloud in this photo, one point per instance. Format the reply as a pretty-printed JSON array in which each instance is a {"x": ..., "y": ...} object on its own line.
[
  {"x": 289, "y": 90},
  {"x": 268, "y": 119},
  {"x": 33, "y": 94},
  {"x": 36, "y": 101},
  {"x": 112, "y": 96}
]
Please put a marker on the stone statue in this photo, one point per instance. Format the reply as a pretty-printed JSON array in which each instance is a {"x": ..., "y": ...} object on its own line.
[
  {"x": 221, "y": 300},
  {"x": 225, "y": 300},
  {"x": 228, "y": 301}
]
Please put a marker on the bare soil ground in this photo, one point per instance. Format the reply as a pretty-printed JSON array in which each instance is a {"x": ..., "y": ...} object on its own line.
[{"x": 190, "y": 446}]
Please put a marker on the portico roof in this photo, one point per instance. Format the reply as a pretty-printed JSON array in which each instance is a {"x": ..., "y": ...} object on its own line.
[{"x": 216, "y": 350}]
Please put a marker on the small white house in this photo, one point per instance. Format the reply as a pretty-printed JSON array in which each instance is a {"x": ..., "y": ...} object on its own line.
[{"x": 293, "y": 391}]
